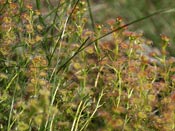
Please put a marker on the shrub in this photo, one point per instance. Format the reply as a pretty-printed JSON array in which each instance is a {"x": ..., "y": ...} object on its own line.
[{"x": 58, "y": 74}]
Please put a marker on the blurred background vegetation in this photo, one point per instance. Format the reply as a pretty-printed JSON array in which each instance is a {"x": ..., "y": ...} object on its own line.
[{"x": 131, "y": 10}]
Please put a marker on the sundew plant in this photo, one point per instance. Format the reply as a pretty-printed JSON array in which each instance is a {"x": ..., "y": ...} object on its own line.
[{"x": 61, "y": 71}]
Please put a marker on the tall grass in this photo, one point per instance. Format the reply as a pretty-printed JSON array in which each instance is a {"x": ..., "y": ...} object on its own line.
[{"x": 58, "y": 74}]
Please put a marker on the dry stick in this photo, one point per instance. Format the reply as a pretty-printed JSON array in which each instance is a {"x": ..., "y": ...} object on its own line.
[
  {"x": 117, "y": 29},
  {"x": 98, "y": 76}
]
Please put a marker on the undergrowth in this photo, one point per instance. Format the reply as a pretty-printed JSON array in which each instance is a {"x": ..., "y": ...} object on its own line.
[{"x": 56, "y": 73}]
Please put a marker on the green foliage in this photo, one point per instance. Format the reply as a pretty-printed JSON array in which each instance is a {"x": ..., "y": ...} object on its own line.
[{"x": 58, "y": 74}]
